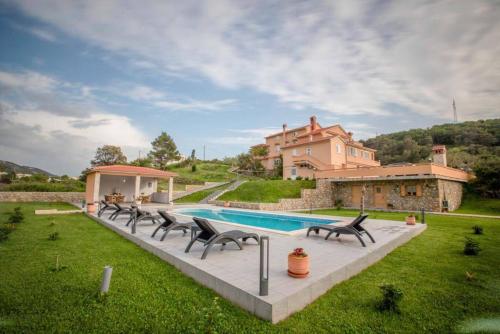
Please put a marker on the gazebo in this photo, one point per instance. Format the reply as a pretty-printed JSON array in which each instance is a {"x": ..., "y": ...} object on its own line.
[{"x": 131, "y": 182}]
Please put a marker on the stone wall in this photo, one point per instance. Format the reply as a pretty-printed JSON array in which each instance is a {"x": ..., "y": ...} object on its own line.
[
  {"x": 26, "y": 196},
  {"x": 451, "y": 191},
  {"x": 433, "y": 193},
  {"x": 320, "y": 197}
]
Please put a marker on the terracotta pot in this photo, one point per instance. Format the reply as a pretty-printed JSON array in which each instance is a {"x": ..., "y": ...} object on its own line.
[
  {"x": 298, "y": 266},
  {"x": 90, "y": 207},
  {"x": 227, "y": 204},
  {"x": 410, "y": 220}
]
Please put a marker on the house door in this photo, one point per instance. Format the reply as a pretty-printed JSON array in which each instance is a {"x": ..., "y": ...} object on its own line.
[
  {"x": 380, "y": 197},
  {"x": 355, "y": 196}
]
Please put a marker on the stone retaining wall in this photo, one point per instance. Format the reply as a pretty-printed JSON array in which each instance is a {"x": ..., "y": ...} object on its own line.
[
  {"x": 28, "y": 196},
  {"x": 321, "y": 197}
]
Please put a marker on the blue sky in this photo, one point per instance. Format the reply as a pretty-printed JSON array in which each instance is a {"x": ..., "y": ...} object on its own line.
[{"x": 78, "y": 75}]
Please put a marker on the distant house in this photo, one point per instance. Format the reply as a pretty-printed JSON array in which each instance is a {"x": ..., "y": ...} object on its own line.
[{"x": 331, "y": 154}]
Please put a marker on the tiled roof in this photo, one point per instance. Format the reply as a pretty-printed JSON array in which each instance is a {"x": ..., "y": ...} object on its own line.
[{"x": 132, "y": 170}]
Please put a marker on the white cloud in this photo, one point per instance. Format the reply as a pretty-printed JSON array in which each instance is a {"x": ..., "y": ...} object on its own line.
[
  {"x": 37, "y": 31},
  {"x": 28, "y": 80},
  {"x": 54, "y": 130},
  {"x": 342, "y": 57},
  {"x": 195, "y": 105}
]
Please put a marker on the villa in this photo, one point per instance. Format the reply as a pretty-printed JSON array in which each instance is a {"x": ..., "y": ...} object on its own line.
[{"x": 348, "y": 172}]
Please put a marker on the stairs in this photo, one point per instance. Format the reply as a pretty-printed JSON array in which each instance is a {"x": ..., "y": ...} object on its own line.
[{"x": 213, "y": 196}]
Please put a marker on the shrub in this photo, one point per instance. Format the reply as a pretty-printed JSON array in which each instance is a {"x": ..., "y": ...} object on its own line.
[
  {"x": 339, "y": 204},
  {"x": 5, "y": 230},
  {"x": 16, "y": 217},
  {"x": 193, "y": 168},
  {"x": 54, "y": 236},
  {"x": 471, "y": 247},
  {"x": 306, "y": 178},
  {"x": 298, "y": 178},
  {"x": 391, "y": 296},
  {"x": 477, "y": 229}
]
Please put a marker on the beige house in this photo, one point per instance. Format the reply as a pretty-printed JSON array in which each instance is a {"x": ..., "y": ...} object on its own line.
[
  {"x": 312, "y": 148},
  {"x": 352, "y": 176}
]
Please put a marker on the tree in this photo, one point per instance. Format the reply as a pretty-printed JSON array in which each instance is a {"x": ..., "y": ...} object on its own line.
[
  {"x": 108, "y": 155},
  {"x": 193, "y": 155},
  {"x": 487, "y": 171},
  {"x": 164, "y": 150},
  {"x": 142, "y": 162},
  {"x": 259, "y": 151}
]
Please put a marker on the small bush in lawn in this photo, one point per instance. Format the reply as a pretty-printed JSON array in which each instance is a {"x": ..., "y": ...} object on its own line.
[
  {"x": 5, "y": 230},
  {"x": 338, "y": 204},
  {"x": 471, "y": 247},
  {"x": 298, "y": 178},
  {"x": 16, "y": 217},
  {"x": 477, "y": 229},
  {"x": 391, "y": 296},
  {"x": 193, "y": 168},
  {"x": 54, "y": 236}
]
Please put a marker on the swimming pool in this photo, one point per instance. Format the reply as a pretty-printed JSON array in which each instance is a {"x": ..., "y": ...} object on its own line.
[{"x": 271, "y": 221}]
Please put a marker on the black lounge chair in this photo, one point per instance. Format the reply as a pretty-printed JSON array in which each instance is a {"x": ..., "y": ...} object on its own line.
[
  {"x": 209, "y": 236},
  {"x": 353, "y": 228},
  {"x": 170, "y": 224},
  {"x": 103, "y": 206},
  {"x": 122, "y": 211},
  {"x": 142, "y": 215}
]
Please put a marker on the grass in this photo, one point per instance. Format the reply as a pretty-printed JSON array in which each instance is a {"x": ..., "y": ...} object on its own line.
[
  {"x": 70, "y": 186},
  {"x": 148, "y": 295},
  {"x": 473, "y": 204},
  {"x": 198, "y": 196},
  {"x": 205, "y": 171},
  {"x": 267, "y": 191}
]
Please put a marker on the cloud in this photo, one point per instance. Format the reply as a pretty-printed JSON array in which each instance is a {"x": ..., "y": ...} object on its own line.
[
  {"x": 37, "y": 31},
  {"x": 341, "y": 57},
  {"x": 55, "y": 130},
  {"x": 195, "y": 105}
]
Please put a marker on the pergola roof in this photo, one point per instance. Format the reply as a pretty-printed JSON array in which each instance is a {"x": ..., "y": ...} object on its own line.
[{"x": 126, "y": 170}]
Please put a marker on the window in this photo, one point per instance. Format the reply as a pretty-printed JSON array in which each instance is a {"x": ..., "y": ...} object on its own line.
[
  {"x": 294, "y": 171},
  {"x": 277, "y": 162},
  {"x": 338, "y": 148},
  {"x": 411, "y": 190},
  {"x": 308, "y": 151},
  {"x": 278, "y": 138},
  {"x": 310, "y": 137},
  {"x": 366, "y": 155},
  {"x": 378, "y": 190},
  {"x": 150, "y": 184},
  {"x": 295, "y": 133},
  {"x": 294, "y": 152},
  {"x": 277, "y": 148},
  {"x": 353, "y": 152}
]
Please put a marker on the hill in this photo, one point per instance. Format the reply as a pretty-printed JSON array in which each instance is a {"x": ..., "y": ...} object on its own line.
[
  {"x": 7, "y": 166},
  {"x": 466, "y": 142},
  {"x": 205, "y": 172}
]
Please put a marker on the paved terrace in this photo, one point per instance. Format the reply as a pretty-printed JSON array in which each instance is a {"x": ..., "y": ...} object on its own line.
[{"x": 234, "y": 273}]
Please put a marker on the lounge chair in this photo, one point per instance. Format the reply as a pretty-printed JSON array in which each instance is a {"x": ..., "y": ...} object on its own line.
[
  {"x": 122, "y": 211},
  {"x": 103, "y": 206},
  {"x": 353, "y": 228},
  {"x": 142, "y": 215},
  {"x": 170, "y": 224},
  {"x": 209, "y": 236}
]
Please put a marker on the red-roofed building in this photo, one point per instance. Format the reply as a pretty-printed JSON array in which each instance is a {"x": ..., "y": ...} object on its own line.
[{"x": 129, "y": 181}]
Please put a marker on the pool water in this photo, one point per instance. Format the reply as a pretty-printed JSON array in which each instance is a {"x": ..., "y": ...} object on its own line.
[{"x": 257, "y": 219}]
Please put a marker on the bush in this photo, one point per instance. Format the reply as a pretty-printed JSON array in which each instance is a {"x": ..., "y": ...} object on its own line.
[
  {"x": 193, "y": 168},
  {"x": 471, "y": 247},
  {"x": 477, "y": 229},
  {"x": 54, "y": 236},
  {"x": 298, "y": 178},
  {"x": 16, "y": 217},
  {"x": 391, "y": 296},
  {"x": 339, "y": 204}
]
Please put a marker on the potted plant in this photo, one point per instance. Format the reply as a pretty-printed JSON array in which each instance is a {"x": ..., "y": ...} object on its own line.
[
  {"x": 298, "y": 263},
  {"x": 227, "y": 204},
  {"x": 410, "y": 219}
]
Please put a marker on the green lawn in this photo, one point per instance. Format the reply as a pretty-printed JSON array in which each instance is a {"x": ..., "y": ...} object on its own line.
[
  {"x": 484, "y": 206},
  {"x": 267, "y": 191},
  {"x": 148, "y": 295},
  {"x": 198, "y": 196},
  {"x": 205, "y": 171}
]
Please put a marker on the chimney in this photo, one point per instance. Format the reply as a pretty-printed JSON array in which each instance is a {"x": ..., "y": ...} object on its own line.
[
  {"x": 439, "y": 155},
  {"x": 314, "y": 125},
  {"x": 349, "y": 134},
  {"x": 284, "y": 134}
]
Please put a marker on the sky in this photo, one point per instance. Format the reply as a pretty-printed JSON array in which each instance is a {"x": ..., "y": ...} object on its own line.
[{"x": 76, "y": 75}]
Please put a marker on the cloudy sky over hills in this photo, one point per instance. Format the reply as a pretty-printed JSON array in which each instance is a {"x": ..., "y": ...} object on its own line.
[{"x": 76, "y": 75}]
